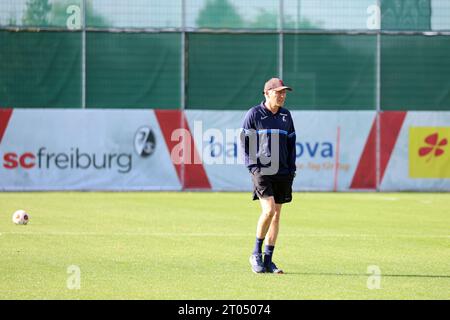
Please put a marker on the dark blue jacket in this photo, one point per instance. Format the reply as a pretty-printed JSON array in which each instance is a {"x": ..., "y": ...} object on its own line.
[{"x": 261, "y": 126}]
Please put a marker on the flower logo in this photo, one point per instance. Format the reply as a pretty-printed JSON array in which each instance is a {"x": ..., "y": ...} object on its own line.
[{"x": 434, "y": 146}]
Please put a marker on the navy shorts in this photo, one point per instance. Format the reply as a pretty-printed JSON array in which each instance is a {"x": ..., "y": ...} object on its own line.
[{"x": 277, "y": 186}]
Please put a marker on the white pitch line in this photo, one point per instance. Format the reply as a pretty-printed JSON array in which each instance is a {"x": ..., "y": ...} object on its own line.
[
  {"x": 193, "y": 234},
  {"x": 389, "y": 199}
]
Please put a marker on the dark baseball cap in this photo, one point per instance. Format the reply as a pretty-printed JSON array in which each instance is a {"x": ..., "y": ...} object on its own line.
[{"x": 275, "y": 84}]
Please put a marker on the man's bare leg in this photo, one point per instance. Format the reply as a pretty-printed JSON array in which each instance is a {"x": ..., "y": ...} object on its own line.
[{"x": 268, "y": 225}]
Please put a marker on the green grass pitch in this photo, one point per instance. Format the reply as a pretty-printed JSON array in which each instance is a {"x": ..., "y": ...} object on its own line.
[{"x": 155, "y": 245}]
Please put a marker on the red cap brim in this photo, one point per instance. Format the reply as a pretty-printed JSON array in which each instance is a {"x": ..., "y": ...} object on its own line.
[{"x": 282, "y": 88}]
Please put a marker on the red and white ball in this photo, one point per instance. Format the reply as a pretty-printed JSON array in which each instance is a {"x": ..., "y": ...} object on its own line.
[{"x": 20, "y": 217}]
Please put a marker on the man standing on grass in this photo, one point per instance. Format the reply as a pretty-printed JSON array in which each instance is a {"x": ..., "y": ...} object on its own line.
[{"x": 268, "y": 142}]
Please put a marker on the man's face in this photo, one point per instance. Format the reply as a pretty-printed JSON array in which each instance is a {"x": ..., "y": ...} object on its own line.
[{"x": 276, "y": 98}]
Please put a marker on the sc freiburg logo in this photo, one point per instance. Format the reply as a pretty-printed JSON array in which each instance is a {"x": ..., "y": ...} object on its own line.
[{"x": 144, "y": 142}]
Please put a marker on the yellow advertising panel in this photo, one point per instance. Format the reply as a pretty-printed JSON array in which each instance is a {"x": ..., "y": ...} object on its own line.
[{"x": 429, "y": 152}]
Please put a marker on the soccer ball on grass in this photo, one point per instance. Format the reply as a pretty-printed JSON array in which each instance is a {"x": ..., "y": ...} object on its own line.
[{"x": 20, "y": 217}]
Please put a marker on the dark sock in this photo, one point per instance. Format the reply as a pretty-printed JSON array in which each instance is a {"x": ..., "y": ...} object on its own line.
[
  {"x": 268, "y": 252},
  {"x": 258, "y": 246}
]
